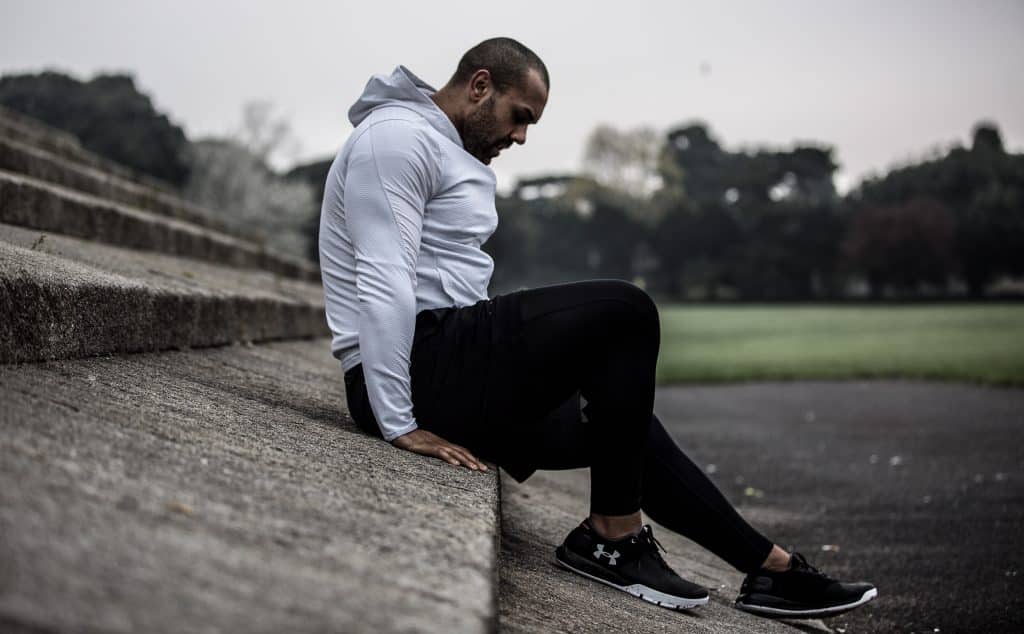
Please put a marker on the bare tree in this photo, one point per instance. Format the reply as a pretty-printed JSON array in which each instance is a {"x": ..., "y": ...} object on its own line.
[
  {"x": 625, "y": 160},
  {"x": 232, "y": 176},
  {"x": 267, "y": 136}
]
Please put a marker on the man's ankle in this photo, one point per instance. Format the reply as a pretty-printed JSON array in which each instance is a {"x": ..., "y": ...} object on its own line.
[
  {"x": 778, "y": 560},
  {"x": 607, "y": 532}
]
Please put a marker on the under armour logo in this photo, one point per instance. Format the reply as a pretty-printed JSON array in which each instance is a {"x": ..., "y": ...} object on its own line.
[{"x": 611, "y": 556}]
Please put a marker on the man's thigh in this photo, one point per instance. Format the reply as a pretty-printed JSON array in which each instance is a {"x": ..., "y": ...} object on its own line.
[
  {"x": 469, "y": 384},
  {"x": 480, "y": 379},
  {"x": 556, "y": 345}
]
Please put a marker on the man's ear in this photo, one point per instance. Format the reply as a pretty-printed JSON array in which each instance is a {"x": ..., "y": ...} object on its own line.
[{"x": 480, "y": 85}]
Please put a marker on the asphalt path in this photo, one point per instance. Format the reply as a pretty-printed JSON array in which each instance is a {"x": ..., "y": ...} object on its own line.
[{"x": 917, "y": 487}]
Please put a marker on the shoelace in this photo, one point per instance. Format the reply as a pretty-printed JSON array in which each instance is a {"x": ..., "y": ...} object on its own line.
[
  {"x": 800, "y": 563},
  {"x": 647, "y": 537}
]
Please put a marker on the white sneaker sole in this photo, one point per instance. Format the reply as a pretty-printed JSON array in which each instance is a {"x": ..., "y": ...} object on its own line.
[
  {"x": 809, "y": 614},
  {"x": 640, "y": 590}
]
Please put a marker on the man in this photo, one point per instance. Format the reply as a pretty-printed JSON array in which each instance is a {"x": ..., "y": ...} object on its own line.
[{"x": 434, "y": 366}]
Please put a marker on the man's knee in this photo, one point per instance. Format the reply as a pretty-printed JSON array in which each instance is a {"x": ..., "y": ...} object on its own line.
[{"x": 641, "y": 306}]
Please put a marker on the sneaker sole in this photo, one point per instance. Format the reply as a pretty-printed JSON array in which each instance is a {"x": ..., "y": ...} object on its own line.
[
  {"x": 809, "y": 613},
  {"x": 640, "y": 590}
]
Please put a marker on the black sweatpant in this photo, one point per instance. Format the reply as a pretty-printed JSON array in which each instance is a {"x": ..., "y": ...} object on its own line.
[{"x": 489, "y": 377}]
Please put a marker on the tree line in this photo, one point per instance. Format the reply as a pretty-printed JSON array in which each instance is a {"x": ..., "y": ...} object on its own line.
[{"x": 690, "y": 219}]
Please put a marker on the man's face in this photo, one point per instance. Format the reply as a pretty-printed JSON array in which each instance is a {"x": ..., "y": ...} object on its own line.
[{"x": 501, "y": 118}]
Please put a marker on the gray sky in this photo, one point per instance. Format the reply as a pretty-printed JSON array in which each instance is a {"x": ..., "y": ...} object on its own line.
[{"x": 884, "y": 82}]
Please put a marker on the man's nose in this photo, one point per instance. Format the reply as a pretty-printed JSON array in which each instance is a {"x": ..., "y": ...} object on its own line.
[{"x": 519, "y": 135}]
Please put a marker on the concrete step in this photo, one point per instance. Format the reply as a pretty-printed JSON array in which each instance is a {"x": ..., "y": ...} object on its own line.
[
  {"x": 227, "y": 490},
  {"x": 19, "y": 157},
  {"x": 22, "y": 128},
  {"x": 35, "y": 204},
  {"x": 62, "y": 297}
]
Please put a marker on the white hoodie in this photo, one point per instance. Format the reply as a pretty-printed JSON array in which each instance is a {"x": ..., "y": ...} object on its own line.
[{"x": 405, "y": 212}]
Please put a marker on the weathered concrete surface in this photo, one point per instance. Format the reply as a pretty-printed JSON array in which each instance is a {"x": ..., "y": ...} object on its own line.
[
  {"x": 537, "y": 595},
  {"x": 34, "y": 204},
  {"x": 42, "y": 165},
  {"x": 62, "y": 297},
  {"x": 227, "y": 490},
  {"x": 24, "y": 129},
  {"x": 915, "y": 486}
]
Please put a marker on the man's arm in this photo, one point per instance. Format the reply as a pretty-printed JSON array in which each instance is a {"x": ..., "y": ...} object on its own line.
[{"x": 392, "y": 172}]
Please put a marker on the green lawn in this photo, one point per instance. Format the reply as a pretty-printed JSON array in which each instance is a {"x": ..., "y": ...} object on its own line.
[{"x": 981, "y": 343}]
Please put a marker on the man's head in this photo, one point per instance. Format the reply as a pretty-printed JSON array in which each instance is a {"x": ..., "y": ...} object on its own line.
[{"x": 499, "y": 88}]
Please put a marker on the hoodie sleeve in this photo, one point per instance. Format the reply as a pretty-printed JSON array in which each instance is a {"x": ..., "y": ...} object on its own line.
[{"x": 392, "y": 173}]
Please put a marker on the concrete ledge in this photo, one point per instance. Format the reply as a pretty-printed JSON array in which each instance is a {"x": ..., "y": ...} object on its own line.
[
  {"x": 28, "y": 202},
  {"x": 45, "y": 166},
  {"x": 228, "y": 490},
  {"x": 62, "y": 297},
  {"x": 24, "y": 129}
]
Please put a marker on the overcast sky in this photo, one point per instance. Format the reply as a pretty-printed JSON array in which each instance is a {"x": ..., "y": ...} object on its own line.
[{"x": 884, "y": 82}]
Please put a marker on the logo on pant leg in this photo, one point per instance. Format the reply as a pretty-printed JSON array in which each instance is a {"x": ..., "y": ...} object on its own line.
[{"x": 601, "y": 553}]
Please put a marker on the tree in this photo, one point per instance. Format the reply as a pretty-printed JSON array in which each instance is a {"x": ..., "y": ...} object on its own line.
[
  {"x": 109, "y": 116},
  {"x": 624, "y": 160},
  {"x": 266, "y": 135},
  {"x": 901, "y": 246},
  {"x": 983, "y": 187},
  {"x": 762, "y": 224},
  {"x": 231, "y": 176},
  {"x": 710, "y": 174},
  {"x": 693, "y": 247}
]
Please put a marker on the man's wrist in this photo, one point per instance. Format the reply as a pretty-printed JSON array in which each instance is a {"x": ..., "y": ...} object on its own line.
[{"x": 403, "y": 434}]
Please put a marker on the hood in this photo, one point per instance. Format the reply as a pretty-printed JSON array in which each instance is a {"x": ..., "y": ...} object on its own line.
[{"x": 402, "y": 88}]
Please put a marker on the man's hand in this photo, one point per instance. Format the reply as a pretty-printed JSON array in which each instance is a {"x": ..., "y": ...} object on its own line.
[{"x": 426, "y": 443}]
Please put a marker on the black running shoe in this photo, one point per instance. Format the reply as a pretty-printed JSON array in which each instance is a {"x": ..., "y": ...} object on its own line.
[
  {"x": 801, "y": 592},
  {"x": 631, "y": 564}
]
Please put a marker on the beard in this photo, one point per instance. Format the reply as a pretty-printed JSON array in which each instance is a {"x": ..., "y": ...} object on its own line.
[{"x": 478, "y": 133}]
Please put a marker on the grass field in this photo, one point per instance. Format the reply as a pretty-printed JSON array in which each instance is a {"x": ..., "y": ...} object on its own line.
[{"x": 981, "y": 343}]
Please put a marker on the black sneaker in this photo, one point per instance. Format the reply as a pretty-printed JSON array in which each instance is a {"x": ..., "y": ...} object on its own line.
[
  {"x": 631, "y": 564},
  {"x": 801, "y": 592}
]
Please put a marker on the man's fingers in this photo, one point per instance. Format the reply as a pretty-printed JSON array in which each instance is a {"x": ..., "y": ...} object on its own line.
[
  {"x": 463, "y": 456},
  {"x": 465, "y": 453},
  {"x": 476, "y": 464},
  {"x": 469, "y": 456},
  {"x": 473, "y": 461},
  {"x": 432, "y": 445},
  {"x": 454, "y": 455},
  {"x": 446, "y": 454}
]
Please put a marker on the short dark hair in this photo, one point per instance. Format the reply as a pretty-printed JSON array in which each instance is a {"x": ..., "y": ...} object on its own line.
[{"x": 506, "y": 59}]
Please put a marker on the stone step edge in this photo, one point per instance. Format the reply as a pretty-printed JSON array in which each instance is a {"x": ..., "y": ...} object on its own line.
[
  {"x": 29, "y": 202},
  {"x": 34, "y": 132},
  {"x": 22, "y": 158},
  {"x": 55, "y": 308}
]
